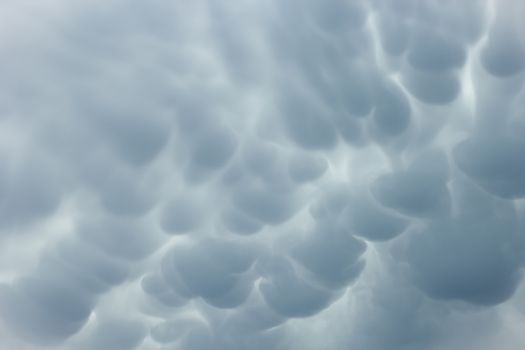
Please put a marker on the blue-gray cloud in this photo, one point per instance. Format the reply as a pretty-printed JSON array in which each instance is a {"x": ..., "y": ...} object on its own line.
[{"x": 246, "y": 175}]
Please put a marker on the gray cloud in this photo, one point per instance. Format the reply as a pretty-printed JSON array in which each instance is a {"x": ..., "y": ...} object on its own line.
[
  {"x": 116, "y": 333},
  {"x": 245, "y": 175},
  {"x": 495, "y": 164}
]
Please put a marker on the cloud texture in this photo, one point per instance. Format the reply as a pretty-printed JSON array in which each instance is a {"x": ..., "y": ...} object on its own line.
[{"x": 233, "y": 175}]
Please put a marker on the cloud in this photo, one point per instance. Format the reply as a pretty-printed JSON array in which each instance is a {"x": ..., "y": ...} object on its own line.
[
  {"x": 246, "y": 175},
  {"x": 364, "y": 217},
  {"x": 430, "y": 51},
  {"x": 449, "y": 265},
  {"x": 289, "y": 294},
  {"x": 214, "y": 271},
  {"x": 30, "y": 191},
  {"x": 414, "y": 192},
  {"x": 116, "y": 333},
  {"x": 494, "y": 164},
  {"x": 503, "y": 54},
  {"x": 44, "y": 311},
  {"x": 392, "y": 110}
]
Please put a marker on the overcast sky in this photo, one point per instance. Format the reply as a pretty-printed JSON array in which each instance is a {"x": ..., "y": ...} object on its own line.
[{"x": 262, "y": 175}]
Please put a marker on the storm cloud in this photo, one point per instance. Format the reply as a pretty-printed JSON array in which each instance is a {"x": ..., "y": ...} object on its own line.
[{"x": 288, "y": 175}]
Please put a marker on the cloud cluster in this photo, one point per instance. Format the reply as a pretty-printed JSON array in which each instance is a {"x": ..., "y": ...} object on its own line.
[{"x": 262, "y": 175}]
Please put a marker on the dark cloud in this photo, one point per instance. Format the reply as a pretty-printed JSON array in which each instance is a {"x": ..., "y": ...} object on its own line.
[
  {"x": 450, "y": 264},
  {"x": 504, "y": 52},
  {"x": 307, "y": 124},
  {"x": 414, "y": 193},
  {"x": 135, "y": 139},
  {"x": 156, "y": 286},
  {"x": 124, "y": 239},
  {"x": 392, "y": 112},
  {"x": 180, "y": 215},
  {"x": 30, "y": 192},
  {"x": 121, "y": 194},
  {"x": 430, "y": 51},
  {"x": 212, "y": 270},
  {"x": 261, "y": 204},
  {"x": 331, "y": 255},
  {"x": 213, "y": 147},
  {"x": 336, "y": 16},
  {"x": 305, "y": 168},
  {"x": 432, "y": 87},
  {"x": 364, "y": 217},
  {"x": 496, "y": 164},
  {"x": 288, "y": 293},
  {"x": 238, "y": 222},
  {"x": 87, "y": 268},
  {"x": 393, "y": 33},
  {"x": 44, "y": 311},
  {"x": 351, "y": 130}
]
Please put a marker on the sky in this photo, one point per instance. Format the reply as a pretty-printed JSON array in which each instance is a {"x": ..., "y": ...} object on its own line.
[{"x": 262, "y": 175}]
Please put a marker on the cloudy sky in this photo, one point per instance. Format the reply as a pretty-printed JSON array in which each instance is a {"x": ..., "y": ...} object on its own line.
[{"x": 260, "y": 175}]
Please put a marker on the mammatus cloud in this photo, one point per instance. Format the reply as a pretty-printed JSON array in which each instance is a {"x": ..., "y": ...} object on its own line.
[{"x": 232, "y": 175}]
